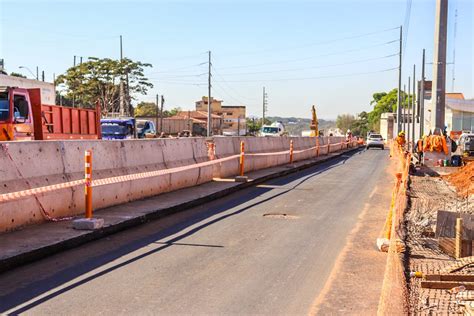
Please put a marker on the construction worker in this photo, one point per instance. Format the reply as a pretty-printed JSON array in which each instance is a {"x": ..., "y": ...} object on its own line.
[{"x": 401, "y": 139}]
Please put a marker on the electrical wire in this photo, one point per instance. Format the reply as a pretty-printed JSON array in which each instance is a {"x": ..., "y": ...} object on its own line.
[
  {"x": 314, "y": 44},
  {"x": 319, "y": 77},
  {"x": 313, "y": 67},
  {"x": 313, "y": 57}
]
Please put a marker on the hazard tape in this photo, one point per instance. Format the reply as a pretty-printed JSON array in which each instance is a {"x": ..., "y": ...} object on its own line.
[{"x": 7, "y": 197}]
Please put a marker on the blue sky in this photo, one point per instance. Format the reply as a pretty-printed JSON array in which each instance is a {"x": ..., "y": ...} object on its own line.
[{"x": 333, "y": 54}]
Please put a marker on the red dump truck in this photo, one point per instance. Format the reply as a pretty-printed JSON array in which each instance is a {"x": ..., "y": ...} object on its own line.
[{"x": 23, "y": 117}]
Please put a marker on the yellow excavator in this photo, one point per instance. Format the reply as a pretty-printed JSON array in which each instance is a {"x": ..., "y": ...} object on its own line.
[{"x": 314, "y": 123}]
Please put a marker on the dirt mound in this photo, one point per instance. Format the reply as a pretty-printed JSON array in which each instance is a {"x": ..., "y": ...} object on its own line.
[{"x": 463, "y": 179}]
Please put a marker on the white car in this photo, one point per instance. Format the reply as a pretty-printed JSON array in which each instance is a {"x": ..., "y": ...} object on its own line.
[{"x": 375, "y": 140}]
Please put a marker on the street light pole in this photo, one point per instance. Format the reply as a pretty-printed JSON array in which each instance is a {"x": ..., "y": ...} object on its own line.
[{"x": 31, "y": 72}]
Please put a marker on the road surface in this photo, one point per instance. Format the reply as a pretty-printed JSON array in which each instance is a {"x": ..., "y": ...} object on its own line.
[{"x": 264, "y": 250}]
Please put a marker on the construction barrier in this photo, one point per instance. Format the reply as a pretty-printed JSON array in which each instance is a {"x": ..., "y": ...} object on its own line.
[
  {"x": 394, "y": 296},
  {"x": 43, "y": 180}
]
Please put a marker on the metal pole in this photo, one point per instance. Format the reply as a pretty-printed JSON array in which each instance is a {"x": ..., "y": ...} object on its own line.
[
  {"x": 408, "y": 116},
  {"x": 88, "y": 182},
  {"x": 209, "y": 101},
  {"x": 403, "y": 108},
  {"x": 413, "y": 111},
  {"x": 422, "y": 97},
  {"x": 37, "y": 73},
  {"x": 242, "y": 158},
  {"x": 399, "y": 99}
]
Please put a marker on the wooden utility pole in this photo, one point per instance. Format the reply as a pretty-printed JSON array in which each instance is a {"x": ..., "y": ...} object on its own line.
[
  {"x": 399, "y": 99},
  {"x": 161, "y": 112},
  {"x": 438, "y": 90},
  {"x": 209, "y": 101},
  {"x": 158, "y": 115},
  {"x": 264, "y": 106},
  {"x": 122, "y": 98}
]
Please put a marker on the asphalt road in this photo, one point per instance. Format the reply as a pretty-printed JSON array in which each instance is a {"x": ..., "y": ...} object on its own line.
[{"x": 235, "y": 255}]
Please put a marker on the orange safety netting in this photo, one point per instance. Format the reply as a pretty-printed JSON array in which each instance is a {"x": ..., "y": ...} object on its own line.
[{"x": 394, "y": 296}]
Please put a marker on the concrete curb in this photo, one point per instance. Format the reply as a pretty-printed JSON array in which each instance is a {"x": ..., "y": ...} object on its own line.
[{"x": 48, "y": 250}]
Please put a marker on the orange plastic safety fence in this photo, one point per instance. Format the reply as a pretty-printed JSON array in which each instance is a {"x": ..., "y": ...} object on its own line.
[{"x": 394, "y": 295}]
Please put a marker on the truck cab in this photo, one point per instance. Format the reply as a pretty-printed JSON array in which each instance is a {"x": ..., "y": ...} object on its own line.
[
  {"x": 16, "y": 115},
  {"x": 24, "y": 117},
  {"x": 118, "y": 128},
  {"x": 274, "y": 130}
]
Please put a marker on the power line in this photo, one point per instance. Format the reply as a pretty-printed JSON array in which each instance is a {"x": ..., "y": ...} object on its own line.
[
  {"x": 319, "y": 77},
  {"x": 313, "y": 67},
  {"x": 314, "y": 44},
  {"x": 312, "y": 57},
  {"x": 406, "y": 24},
  {"x": 230, "y": 87}
]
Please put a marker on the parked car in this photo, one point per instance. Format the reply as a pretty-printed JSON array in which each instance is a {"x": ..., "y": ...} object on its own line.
[{"x": 375, "y": 140}]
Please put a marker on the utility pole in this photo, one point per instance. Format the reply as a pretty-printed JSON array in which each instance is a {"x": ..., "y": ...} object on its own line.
[
  {"x": 161, "y": 112},
  {"x": 421, "y": 97},
  {"x": 404, "y": 109},
  {"x": 264, "y": 106},
  {"x": 454, "y": 48},
  {"x": 37, "y": 73},
  {"x": 74, "y": 60},
  {"x": 399, "y": 99},
  {"x": 408, "y": 116},
  {"x": 157, "y": 115},
  {"x": 209, "y": 101},
  {"x": 122, "y": 98},
  {"x": 42, "y": 75},
  {"x": 438, "y": 91},
  {"x": 413, "y": 111}
]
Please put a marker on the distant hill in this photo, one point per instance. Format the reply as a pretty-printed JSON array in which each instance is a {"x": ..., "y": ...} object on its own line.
[{"x": 295, "y": 125}]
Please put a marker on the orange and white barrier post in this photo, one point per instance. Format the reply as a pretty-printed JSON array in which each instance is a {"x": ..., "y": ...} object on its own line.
[
  {"x": 88, "y": 182},
  {"x": 291, "y": 151},
  {"x": 242, "y": 158},
  {"x": 317, "y": 146}
]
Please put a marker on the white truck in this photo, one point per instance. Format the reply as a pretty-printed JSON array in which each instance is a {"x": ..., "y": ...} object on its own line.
[{"x": 276, "y": 129}]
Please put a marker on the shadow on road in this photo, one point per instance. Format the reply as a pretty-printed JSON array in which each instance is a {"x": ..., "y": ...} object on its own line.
[{"x": 37, "y": 286}]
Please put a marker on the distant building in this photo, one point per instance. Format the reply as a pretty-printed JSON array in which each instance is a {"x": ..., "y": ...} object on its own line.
[
  {"x": 459, "y": 116},
  {"x": 200, "y": 118},
  {"x": 233, "y": 116},
  {"x": 48, "y": 90}
]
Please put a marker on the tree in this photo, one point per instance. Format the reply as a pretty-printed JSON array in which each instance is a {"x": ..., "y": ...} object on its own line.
[
  {"x": 145, "y": 109},
  {"x": 99, "y": 79},
  {"x": 385, "y": 102},
  {"x": 15, "y": 74},
  {"x": 345, "y": 121},
  {"x": 360, "y": 127}
]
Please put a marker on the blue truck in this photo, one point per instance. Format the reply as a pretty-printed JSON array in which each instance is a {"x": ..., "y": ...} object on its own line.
[{"x": 118, "y": 128}]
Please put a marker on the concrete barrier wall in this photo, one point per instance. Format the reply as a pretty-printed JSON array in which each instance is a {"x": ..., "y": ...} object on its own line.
[{"x": 26, "y": 165}]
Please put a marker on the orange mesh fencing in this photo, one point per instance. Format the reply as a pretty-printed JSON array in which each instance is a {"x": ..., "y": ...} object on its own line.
[{"x": 394, "y": 296}]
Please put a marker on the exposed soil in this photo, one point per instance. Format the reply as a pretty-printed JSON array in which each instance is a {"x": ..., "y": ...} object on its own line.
[{"x": 463, "y": 180}]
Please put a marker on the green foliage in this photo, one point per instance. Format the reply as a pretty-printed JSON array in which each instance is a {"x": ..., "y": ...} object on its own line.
[
  {"x": 360, "y": 127},
  {"x": 99, "y": 79},
  {"x": 15, "y": 74},
  {"x": 145, "y": 109},
  {"x": 345, "y": 122},
  {"x": 385, "y": 103},
  {"x": 255, "y": 124},
  {"x": 149, "y": 109}
]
